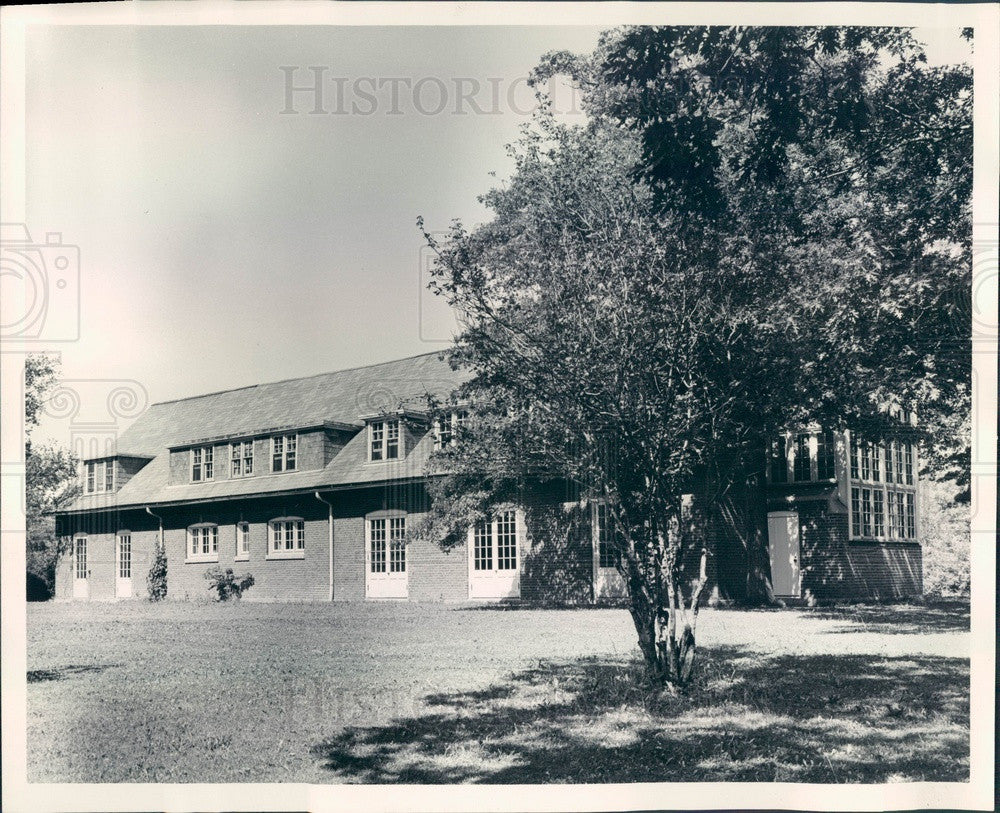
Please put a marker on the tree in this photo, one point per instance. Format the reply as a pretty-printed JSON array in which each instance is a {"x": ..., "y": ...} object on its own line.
[
  {"x": 50, "y": 479},
  {"x": 703, "y": 264}
]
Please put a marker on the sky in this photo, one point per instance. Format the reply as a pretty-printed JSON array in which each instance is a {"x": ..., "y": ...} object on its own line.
[{"x": 232, "y": 231}]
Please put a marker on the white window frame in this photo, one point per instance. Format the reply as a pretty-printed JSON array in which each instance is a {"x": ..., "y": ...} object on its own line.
[
  {"x": 284, "y": 530},
  {"x": 197, "y": 535},
  {"x": 287, "y": 439},
  {"x": 899, "y": 520},
  {"x": 379, "y": 440},
  {"x": 123, "y": 554},
  {"x": 242, "y": 539},
  {"x": 455, "y": 420},
  {"x": 238, "y": 458},
  {"x": 95, "y": 477},
  {"x": 202, "y": 457}
]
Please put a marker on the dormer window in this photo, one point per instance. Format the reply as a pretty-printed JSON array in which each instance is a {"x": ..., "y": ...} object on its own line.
[
  {"x": 448, "y": 427},
  {"x": 242, "y": 458},
  {"x": 202, "y": 464},
  {"x": 283, "y": 451},
  {"x": 383, "y": 440},
  {"x": 100, "y": 477}
]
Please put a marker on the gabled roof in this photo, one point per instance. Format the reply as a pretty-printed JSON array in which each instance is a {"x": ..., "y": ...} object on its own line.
[{"x": 339, "y": 398}]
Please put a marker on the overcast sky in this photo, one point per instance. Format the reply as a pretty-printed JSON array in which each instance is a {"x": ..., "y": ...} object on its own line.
[{"x": 225, "y": 243}]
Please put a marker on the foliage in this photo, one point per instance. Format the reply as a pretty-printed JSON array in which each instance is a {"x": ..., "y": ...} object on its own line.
[
  {"x": 226, "y": 584},
  {"x": 754, "y": 230},
  {"x": 945, "y": 539},
  {"x": 156, "y": 580},
  {"x": 50, "y": 478}
]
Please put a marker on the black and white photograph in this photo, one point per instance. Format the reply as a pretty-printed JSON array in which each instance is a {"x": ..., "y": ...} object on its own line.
[{"x": 499, "y": 406}]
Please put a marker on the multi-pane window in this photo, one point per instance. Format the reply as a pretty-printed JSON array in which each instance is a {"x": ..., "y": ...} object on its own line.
[
  {"x": 387, "y": 542},
  {"x": 202, "y": 464},
  {"x": 605, "y": 548},
  {"x": 888, "y": 475},
  {"x": 825, "y": 449},
  {"x": 125, "y": 556},
  {"x": 482, "y": 551},
  {"x": 241, "y": 453},
  {"x": 243, "y": 539},
  {"x": 801, "y": 466},
  {"x": 100, "y": 477},
  {"x": 80, "y": 557},
  {"x": 203, "y": 542},
  {"x": 383, "y": 440},
  {"x": 448, "y": 427},
  {"x": 283, "y": 451},
  {"x": 495, "y": 542},
  {"x": 288, "y": 535},
  {"x": 779, "y": 461}
]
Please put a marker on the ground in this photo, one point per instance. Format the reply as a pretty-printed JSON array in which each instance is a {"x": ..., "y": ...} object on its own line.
[{"x": 138, "y": 692}]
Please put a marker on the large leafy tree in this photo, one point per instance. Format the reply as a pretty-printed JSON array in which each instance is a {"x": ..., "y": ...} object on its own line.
[
  {"x": 50, "y": 479},
  {"x": 754, "y": 230}
]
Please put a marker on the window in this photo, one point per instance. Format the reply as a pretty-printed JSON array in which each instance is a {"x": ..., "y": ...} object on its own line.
[
  {"x": 242, "y": 540},
  {"x": 288, "y": 538},
  {"x": 242, "y": 458},
  {"x": 283, "y": 449},
  {"x": 876, "y": 454},
  {"x": 387, "y": 538},
  {"x": 606, "y": 557},
  {"x": 911, "y": 517},
  {"x": 448, "y": 427},
  {"x": 802, "y": 463},
  {"x": 125, "y": 556},
  {"x": 908, "y": 463},
  {"x": 855, "y": 511},
  {"x": 202, "y": 466},
  {"x": 495, "y": 543},
  {"x": 100, "y": 477},
  {"x": 895, "y": 527},
  {"x": 878, "y": 513},
  {"x": 825, "y": 448},
  {"x": 80, "y": 557},
  {"x": 889, "y": 446},
  {"x": 779, "y": 461},
  {"x": 855, "y": 454},
  {"x": 203, "y": 543},
  {"x": 866, "y": 512},
  {"x": 866, "y": 460},
  {"x": 383, "y": 440}
]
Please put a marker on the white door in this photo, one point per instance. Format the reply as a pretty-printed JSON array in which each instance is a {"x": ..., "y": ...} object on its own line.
[
  {"x": 783, "y": 540},
  {"x": 81, "y": 584},
  {"x": 608, "y": 582},
  {"x": 385, "y": 558},
  {"x": 494, "y": 558},
  {"x": 123, "y": 566}
]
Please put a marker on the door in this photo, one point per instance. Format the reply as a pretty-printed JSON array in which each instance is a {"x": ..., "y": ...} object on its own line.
[
  {"x": 385, "y": 557},
  {"x": 123, "y": 566},
  {"x": 81, "y": 583},
  {"x": 608, "y": 582},
  {"x": 783, "y": 541},
  {"x": 494, "y": 558}
]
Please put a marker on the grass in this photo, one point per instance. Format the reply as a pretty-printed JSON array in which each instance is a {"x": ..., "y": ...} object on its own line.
[{"x": 425, "y": 693}]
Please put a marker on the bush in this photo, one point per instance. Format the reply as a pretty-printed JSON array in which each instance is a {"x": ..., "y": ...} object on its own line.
[
  {"x": 157, "y": 578},
  {"x": 226, "y": 585}
]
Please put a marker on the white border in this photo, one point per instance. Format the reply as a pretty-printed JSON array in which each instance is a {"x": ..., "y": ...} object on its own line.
[{"x": 977, "y": 794}]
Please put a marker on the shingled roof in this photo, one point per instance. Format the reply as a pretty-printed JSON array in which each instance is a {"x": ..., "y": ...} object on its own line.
[{"x": 341, "y": 397}]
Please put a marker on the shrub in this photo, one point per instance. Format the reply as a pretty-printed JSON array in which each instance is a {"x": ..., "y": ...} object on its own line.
[
  {"x": 225, "y": 583},
  {"x": 157, "y": 578}
]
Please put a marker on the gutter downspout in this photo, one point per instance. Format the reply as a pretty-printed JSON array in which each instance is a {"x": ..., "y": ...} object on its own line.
[
  {"x": 157, "y": 517},
  {"x": 330, "y": 529}
]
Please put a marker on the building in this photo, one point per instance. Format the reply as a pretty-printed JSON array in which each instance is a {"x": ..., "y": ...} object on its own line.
[{"x": 309, "y": 484}]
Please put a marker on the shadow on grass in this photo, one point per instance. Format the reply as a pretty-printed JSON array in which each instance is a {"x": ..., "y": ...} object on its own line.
[
  {"x": 943, "y": 615},
  {"x": 749, "y": 718},
  {"x": 45, "y": 675}
]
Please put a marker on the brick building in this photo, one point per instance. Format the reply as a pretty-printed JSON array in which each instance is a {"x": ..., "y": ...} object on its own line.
[{"x": 309, "y": 484}]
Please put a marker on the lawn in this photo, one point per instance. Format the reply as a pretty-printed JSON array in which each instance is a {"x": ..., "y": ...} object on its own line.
[{"x": 425, "y": 693}]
